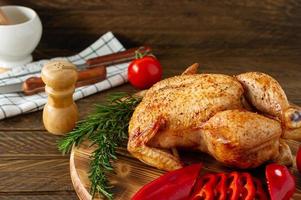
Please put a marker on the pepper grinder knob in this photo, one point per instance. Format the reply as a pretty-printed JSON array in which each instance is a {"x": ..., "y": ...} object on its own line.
[{"x": 60, "y": 112}]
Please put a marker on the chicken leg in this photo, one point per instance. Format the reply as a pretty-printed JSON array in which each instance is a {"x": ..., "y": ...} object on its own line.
[
  {"x": 266, "y": 94},
  {"x": 244, "y": 139}
]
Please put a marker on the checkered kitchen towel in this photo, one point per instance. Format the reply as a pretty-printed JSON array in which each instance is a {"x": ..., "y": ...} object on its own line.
[{"x": 16, "y": 103}]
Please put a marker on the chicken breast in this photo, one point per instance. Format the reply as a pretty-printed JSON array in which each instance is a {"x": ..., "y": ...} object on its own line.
[{"x": 186, "y": 102}]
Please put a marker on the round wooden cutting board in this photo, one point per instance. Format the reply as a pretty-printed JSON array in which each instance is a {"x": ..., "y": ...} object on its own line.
[
  {"x": 130, "y": 175},
  {"x": 133, "y": 174}
]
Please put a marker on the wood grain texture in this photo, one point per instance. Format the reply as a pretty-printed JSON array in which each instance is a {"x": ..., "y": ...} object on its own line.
[
  {"x": 41, "y": 195},
  {"x": 219, "y": 28},
  {"x": 128, "y": 170},
  {"x": 32, "y": 144},
  {"x": 34, "y": 174},
  {"x": 223, "y": 36},
  {"x": 131, "y": 174}
]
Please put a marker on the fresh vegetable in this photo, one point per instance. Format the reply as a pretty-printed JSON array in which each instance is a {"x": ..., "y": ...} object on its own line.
[
  {"x": 235, "y": 187},
  {"x": 223, "y": 186},
  {"x": 205, "y": 187},
  {"x": 174, "y": 185},
  {"x": 188, "y": 184},
  {"x": 281, "y": 183},
  {"x": 144, "y": 71},
  {"x": 298, "y": 159},
  {"x": 247, "y": 186},
  {"x": 107, "y": 129},
  {"x": 260, "y": 194}
]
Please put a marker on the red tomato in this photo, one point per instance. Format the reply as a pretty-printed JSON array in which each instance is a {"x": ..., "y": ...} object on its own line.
[
  {"x": 298, "y": 159},
  {"x": 144, "y": 72}
]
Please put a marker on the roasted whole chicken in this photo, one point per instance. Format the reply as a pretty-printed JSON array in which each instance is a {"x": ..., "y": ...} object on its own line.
[{"x": 239, "y": 120}]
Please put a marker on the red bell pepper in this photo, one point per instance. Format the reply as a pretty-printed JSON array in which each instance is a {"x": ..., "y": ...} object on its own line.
[
  {"x": 235, "y": 187},
  {"x": 281, "y": 183},
  {"x": 260, "y": 194},
  {"x": 188, "y": 184},
  {"x": 205, "y": 188},
  {"x": 174, "y": 185},
  {"x": 241, "y": 186},
  {"x": 248, "y": 188},
  {"x": 221, "y": 188},
  {"x": 298, "y": 160}
]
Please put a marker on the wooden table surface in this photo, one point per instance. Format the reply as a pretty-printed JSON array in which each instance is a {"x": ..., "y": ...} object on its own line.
[{"x": 223, "y": 36}]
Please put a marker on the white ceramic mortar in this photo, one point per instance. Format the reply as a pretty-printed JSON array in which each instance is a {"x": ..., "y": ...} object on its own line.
[{"x": 19, "y": 39}]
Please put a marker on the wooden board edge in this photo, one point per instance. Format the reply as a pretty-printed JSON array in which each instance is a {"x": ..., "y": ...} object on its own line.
[{"x": 79, "y": 188}]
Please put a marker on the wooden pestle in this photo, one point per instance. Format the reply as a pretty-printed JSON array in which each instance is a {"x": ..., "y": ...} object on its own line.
[
  {"x": 60, "y": 112},
  {"x": 3, "y": 18}
]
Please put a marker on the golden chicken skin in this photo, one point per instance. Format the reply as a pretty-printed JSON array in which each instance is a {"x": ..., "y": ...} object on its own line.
[{"x": 239, "y": 120}]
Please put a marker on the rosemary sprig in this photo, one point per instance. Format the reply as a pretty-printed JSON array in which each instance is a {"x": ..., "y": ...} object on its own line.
[{"x": 107, "y": 128}]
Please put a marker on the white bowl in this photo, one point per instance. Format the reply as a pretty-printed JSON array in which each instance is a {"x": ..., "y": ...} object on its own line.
[{"x": 19, "y": 39}]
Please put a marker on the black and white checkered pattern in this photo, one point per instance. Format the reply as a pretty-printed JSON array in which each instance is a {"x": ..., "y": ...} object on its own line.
[{"x": 16, "y": 103}]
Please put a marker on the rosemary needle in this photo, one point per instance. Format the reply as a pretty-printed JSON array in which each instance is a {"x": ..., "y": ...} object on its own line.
[{"x": 107, "y": 128}]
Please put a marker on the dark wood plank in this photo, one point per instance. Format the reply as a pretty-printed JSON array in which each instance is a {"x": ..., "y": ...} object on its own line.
[
  {"x": 39, "y": 196},
  {"x": 31, "y": 167},
  {"x": 29, "y": 144},
  {"x": 216, "y": 28},
  {"x": 39, "y": 175}
]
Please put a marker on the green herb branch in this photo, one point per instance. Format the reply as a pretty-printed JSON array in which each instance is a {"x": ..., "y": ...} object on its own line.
[{"x": 107, "y": 128}]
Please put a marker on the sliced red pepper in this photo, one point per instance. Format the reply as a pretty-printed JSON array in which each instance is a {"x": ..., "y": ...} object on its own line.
[
  {"x": 281, "y": 183},
  {"x": 234, "y": 186},
  {"x": 198, "y": 185},
  {"x": 174, "y": 185},
  {"x": 298, "y": 159},
  {"x": 248, "y": 188},
  {"x": 205, "y": 188},
  {"x": 240, "y": 186},
  {"x": 221, "y": 188},
  {"x": 260, "y": 194}
]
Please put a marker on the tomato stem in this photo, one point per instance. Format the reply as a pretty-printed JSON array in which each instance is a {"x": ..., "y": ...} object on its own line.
[{"x": 139, "y": 53}]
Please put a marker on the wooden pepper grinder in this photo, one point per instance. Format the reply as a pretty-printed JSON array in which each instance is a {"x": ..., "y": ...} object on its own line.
[{"x": 60, "y": 112}]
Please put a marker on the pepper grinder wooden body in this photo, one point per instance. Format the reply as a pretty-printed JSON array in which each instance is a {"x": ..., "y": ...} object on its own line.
[{"x": 60, "y": 112}]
